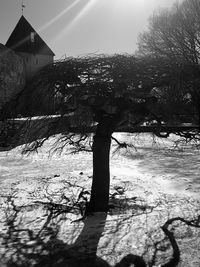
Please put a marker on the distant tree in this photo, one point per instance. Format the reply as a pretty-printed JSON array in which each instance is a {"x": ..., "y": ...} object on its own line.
[
  {"x": 98, "y": 95},
  {"x": 174, "y": 34}
]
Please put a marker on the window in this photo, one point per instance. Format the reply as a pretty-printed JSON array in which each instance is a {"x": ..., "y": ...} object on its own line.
[{"x": 32, "y": 37}]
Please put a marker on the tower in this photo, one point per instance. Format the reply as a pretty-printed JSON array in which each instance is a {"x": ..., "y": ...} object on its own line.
[{"x": 27, "y": 43}]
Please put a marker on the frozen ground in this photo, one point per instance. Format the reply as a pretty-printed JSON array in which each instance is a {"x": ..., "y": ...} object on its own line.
[{"x": 159, "y": 182}]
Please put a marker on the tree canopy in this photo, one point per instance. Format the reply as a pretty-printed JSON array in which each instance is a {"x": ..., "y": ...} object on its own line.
[{"x": 102, "y": 86}]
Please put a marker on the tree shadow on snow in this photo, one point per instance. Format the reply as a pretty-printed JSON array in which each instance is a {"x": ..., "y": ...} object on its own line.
[
  {"x": 42, "y": 248},
  {"x": 39, "y": 244}
]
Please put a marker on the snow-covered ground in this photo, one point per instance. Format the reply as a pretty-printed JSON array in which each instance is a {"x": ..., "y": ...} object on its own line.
[{"x": 159, "y": 182}]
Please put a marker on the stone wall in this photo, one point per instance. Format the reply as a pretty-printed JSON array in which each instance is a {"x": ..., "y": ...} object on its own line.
[
  {"x": 12, "y": 75},
  {"x": 34, "y": 62}
]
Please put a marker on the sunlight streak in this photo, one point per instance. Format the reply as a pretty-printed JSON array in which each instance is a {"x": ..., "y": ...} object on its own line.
[
  {"x": 61, "y": 14},
  {"x": 77, "y": 18},
  {"x": 82, "y": 13}
]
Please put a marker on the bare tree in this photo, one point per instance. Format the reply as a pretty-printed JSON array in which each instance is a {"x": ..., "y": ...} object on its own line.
[
  {"x": 94, "y": 97},
  {"x": 174, "y": 34}
]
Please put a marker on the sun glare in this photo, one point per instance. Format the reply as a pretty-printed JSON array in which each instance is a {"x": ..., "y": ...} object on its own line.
[
  {"x": 117, "y": 7},
  {"x": 60, "y": 15},
  {"x": 82, "y": 12},
  {"x": 106, "y": 23}
]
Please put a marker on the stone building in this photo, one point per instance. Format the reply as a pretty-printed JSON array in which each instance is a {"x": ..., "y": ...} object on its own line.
[{"x": 27, "y": 43}]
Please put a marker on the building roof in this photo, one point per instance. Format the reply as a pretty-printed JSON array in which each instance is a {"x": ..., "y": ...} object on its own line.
[{"x": 25, "y": 39}]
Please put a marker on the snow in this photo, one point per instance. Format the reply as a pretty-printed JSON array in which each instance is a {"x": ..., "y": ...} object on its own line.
[{"x": 159, "y": 181}]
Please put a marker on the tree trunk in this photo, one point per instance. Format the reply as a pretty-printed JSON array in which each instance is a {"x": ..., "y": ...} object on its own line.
[{"x": 101, "y": 173}]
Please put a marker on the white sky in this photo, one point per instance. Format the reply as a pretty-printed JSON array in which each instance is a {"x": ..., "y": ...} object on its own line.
[{"x": 77, "y": 27}]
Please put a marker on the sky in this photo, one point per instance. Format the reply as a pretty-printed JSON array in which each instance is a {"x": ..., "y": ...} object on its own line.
[{"x": 79, "y": 27}]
